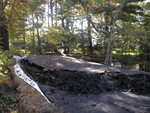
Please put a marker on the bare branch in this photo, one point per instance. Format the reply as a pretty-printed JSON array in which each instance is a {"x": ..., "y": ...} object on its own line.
[
  {"x": 98, "y": 30},
  {"x": 94, "y": 26},
  {"x": 119, "y": 11}
]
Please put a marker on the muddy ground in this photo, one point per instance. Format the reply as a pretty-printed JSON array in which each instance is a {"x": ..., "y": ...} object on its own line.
[{"x": 79, "y": 86}]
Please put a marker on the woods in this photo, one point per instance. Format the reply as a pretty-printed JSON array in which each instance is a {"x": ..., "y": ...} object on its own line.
[
  {"x": 73, "y": 48},
  {"x": 89, "y": 27}
]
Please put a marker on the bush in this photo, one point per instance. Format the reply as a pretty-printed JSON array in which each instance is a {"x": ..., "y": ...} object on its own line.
[
  {"x": 8, "y": 93},
  {"x": 6, "y": 60}
]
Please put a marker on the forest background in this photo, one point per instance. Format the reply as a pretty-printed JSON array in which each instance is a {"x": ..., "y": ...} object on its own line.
[{"x": 112, "y": 32}]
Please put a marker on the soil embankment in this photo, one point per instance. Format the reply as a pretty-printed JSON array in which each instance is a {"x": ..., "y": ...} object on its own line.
[
  {"x": 86, "y": 87},
  {"x": 84, "y": 77}
]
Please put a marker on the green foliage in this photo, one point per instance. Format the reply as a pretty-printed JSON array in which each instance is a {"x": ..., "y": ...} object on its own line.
[
  {"x": 69, "y": 28},
  {"x": 51, "y": 40},
  {"x": 8, "y": 101},
  {"x": 135, "y": 1},
  {"x": 99, "y": 2},
  {"x": 54, "y": 36},
  {"x": 8, "y": 93},
  {"x": 6, "y": 60},
  {"x": 127, "y": 18},
  {"x": 89, "y": 16},
  {"x": 133, "y": 9}
]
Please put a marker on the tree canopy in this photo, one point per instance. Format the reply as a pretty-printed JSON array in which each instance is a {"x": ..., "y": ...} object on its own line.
[{"x": 73, "y": 26}]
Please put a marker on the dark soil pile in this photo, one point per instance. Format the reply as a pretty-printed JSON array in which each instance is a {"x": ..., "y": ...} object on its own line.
[{"x": 82, "y": 81}]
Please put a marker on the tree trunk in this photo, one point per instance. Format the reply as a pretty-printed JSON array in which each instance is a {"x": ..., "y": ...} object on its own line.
[
  {"x": 89, "y": 37},
  {"x": 68, "y": 30},
  {"x": 33, "y": 33},
  {"x": 4, "y": 40},
  {"x": 24, "y": 37},
  {"x": 72, "y": 24},
  {"x": 87, "y": 10},
  {"x": 82, "y": 35},
  {"x": 38, "y": 36},
  {"x": 113, "y": 18},
  {"x": 62, "y": 18},
  {"x": 67, "y": 23},
  {"x": 108, "y": 58},
  {"x": 56, "y": 13},
  {"x": 63, "y": 26},
  {"x": 52, "y": 18},
  {"x": 48, "y": 13}
]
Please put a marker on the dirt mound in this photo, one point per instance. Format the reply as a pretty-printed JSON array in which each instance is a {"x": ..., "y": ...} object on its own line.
[{"x": 83, "y": 82}]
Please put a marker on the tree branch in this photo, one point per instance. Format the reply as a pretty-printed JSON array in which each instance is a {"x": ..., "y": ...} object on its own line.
[
  {"x": 105, "y": 32},
  {"x": 119, "y": 11},
  {"x": 94, "y": 26}
]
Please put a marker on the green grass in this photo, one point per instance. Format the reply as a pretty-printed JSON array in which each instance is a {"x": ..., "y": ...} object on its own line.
[{"x": 118, "y": 51}]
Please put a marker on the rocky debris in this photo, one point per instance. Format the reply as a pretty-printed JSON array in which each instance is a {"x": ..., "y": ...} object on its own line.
[{"x": 72, "y": 75}]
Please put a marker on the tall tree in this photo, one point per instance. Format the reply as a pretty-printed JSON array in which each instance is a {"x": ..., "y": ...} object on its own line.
[
  {"x": 110, "y": 11},
  {"x": 144, "y": 42},
  {"x": 52, "y": 11},
  {"x": 4, "y": 41},
  {"x": 113, "y": 17},
  {"x": 86, "y": 7}
]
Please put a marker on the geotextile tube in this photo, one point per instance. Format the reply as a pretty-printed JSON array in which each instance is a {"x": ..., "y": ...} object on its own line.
[{"x": 31, "y": 99}]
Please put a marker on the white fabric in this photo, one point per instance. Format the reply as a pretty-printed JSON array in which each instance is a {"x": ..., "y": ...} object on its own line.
[
  {"x": 20, "y": 73},
  {"x": 17, "y": 58}
]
